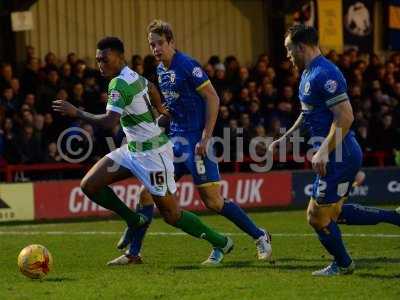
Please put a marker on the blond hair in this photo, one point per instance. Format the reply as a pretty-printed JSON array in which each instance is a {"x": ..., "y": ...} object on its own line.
[{"x": 161, "y": 27}]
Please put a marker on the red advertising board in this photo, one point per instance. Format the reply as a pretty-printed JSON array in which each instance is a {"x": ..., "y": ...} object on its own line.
[{"x": 64, "y": 199}]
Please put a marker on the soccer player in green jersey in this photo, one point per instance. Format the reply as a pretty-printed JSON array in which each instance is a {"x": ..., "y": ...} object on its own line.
[{"x": 148, "y": 154}]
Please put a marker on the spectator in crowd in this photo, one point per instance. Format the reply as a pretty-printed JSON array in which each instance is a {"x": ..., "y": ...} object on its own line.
[
  {"x": 66, "y": 77},
  {"x": 48, "y": 91},
  {"x": 72, "y": 59},
  {"x": 241, "y": 103},
  {"x": 29, "y": 146},
  {"x": 260, "y": 71},
  {"x": 9, "y": 102},
  {"x": 333, "y": 56},
  {"x": 150, "y": 68},
  {"x": 137, "y": 64},
  {"x": 243, "y": 76},
  {"x": 232, "y": 70},
  {"x": 78, "y": 70},
  {"x": 77, "y": 96},
  {"x": 52, "y": 155},
  {"x": 10, "y": 134},
  {"x": 268, "y": 95},
  {"x": 209, "y": 69},
  {"x": 30, "y": 80},
  {"x": 50, "y": 62},
  {"x": 6, "y": 74},
  {"x": 50, "y": 130},
  {"x": 256, "y": 116},
  {"x": 220, "y": 81}
]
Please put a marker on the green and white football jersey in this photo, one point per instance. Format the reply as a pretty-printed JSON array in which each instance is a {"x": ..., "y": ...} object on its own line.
[{"x": 128, "y": 95}]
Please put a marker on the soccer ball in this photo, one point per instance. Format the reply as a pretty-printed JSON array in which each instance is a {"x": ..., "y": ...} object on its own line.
[{"x": 35, "y": 261}]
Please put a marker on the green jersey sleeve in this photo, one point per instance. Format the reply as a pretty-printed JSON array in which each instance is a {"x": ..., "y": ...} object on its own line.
[{"x": 117, "y": 95}]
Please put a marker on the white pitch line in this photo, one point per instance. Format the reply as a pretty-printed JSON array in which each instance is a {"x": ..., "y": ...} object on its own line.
[{"x": 368, "y": 235}]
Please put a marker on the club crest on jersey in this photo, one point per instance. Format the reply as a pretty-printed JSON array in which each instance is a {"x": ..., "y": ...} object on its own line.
[
  {"x": 331, "y": 86},
  {"x": 114, "y": 96},
  {"x": 172, "y": 77},
  {"x": 197, "y": 72},
  {"x": 307, "y": 88}
]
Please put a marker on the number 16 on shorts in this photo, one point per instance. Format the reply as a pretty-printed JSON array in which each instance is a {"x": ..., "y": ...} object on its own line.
[{"x": 157, "y": 178}]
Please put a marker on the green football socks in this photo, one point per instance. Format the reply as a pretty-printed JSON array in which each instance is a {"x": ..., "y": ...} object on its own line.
[
  {"x": 191, "y": 224},
  {"x": 108, "y": 199}
]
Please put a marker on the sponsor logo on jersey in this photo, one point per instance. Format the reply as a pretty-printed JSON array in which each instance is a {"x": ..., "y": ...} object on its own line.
[
  {"x": 114, "y": 96},
  {"x": 197, "y": 72},
  {"x": 170, "y": 94},
  {"x": 330, "y": 85}
]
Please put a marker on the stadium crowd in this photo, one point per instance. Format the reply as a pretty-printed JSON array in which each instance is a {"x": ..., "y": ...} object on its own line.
[{"x": 261, "y": 99}]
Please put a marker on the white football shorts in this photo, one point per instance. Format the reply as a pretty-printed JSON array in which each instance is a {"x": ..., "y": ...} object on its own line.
[{"x": 154, "y": 168}]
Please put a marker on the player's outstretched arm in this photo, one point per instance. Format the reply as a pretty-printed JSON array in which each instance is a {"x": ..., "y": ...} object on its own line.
[
  {"x": 108, "y": 120},
  {"x": 212, "y": 105},
  {"x": 155, "y": 99},
  {"x": 342, "y": 120},
  {"x": 288, "y": 133}
]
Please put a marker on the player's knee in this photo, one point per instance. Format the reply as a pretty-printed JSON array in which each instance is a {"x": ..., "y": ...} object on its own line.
[
  {"x": 313, "y": 221},
  {"x": 170, "y": 217},
  {"x": 88, "y": 187},
  {"x": 214, "y": 203},
  {"x": 316, "y": 220},
  {"x": 145, "y": 198}
]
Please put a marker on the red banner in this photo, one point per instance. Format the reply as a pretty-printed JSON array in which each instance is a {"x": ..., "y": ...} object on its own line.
[{"x": 64, "y": 199}]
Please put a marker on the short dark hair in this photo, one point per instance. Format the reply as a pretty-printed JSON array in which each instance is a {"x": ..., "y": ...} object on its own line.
[
  {"x": 303, "y": 34},
  {"x": 111, "y": 42},
  {"x": 161, "y": 27}
]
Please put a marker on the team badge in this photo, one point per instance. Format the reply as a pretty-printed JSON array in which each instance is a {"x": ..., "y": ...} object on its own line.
[
  {"x": 197, "y": 72},
  {"x": 330, "y": 86},
  {"x": 114, "y": 96},
  {"x": 307, "y": 88}
]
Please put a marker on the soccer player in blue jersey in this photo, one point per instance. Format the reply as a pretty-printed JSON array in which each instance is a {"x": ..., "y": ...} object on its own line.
[
  {"x": 327, "y": 115},
  {"x": 192, "y": 105}
]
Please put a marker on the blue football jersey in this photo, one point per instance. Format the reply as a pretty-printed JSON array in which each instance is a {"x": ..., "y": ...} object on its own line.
[
  {"x": 179, "y": 85},
  {"x": 322, "y": 85}
]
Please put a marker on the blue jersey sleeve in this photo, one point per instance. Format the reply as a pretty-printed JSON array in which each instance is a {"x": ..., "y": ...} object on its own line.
[
  {"x": 195, "y": 73},
  {"x": 332, "y": 87}
]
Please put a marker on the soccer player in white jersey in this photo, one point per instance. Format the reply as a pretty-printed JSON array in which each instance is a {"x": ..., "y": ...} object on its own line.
[{"x": 147, "y": 155}]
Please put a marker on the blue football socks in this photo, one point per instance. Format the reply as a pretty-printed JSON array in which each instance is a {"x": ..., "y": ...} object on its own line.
[
  {"x": 354, "y": 214},
  {"x": 139, "y": 233},
  {"x": 331, "y": 238},
  {"x": 235, "y": 214}
]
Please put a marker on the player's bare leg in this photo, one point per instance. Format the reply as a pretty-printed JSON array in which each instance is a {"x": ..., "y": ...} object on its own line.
[
  {"x": 95, "y": 185},
  {"x": 211, "y": 196},
  {"x": 323, "y": 219}
]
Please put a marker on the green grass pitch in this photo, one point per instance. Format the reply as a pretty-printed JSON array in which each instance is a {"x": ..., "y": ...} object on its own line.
[{"x": 172, "y": 269}]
